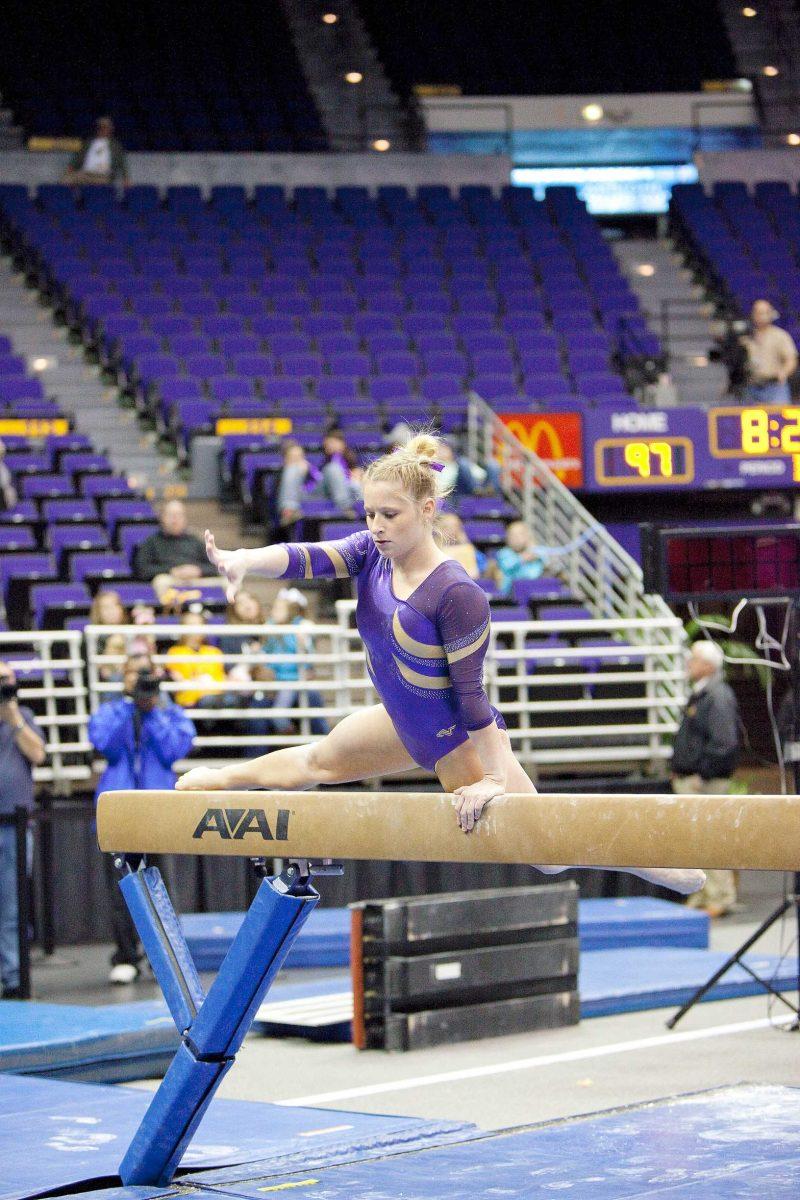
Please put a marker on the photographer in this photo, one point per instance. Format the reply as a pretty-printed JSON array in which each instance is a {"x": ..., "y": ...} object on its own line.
[
  {"x": 140, "y": 735},
  {"x": 22, "y": 747}
]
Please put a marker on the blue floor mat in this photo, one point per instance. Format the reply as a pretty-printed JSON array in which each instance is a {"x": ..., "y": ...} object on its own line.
[
  {"x": 734, "y": 1143},
  {"x": 65, "y": 1134},
  {"x": 113, "y": 1043},
  {"x": 609, "y": 981},
  {"x": 618, "y": 981},
  {"x": 603, "y": 924}
]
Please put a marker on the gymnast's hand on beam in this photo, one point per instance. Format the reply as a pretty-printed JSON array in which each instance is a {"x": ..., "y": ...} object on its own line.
[
  {"x": 473, "y": 798},
  {"x": 200, "y": 779},
  {"x": 231, "y": 564}
]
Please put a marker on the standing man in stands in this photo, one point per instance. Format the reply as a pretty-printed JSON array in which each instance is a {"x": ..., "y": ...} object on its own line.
[
  {"x": 173, "y": 557},
  {"x": 100, "y": 159},
  {"x": 704, "y": 755},
  {"x": 771, "y": 358},
  {"x": 22, "y": 748}
]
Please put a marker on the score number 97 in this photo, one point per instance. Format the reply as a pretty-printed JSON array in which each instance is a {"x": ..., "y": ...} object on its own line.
[{"x": 639, "y": 456}]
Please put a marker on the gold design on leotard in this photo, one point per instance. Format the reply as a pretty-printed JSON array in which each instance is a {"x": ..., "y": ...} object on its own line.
[
  {"x": 419, "y": 680},
  {"x": 418, "y": 649},
  {"x": 465, "y": 651},
  {"x": 340, "y": 566},
  {"x": 306, "y": 557}
]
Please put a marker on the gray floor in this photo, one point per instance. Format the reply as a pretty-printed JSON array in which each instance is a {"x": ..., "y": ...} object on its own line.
[{"x": 599, "y": 1064}]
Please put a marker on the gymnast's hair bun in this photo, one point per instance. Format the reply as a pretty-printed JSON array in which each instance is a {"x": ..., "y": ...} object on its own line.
[{"x": 423, "y": 446}]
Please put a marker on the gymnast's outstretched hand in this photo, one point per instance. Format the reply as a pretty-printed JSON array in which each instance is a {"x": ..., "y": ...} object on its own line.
[
  {"x": 231, "y": 564},
  {"x": 473, "y": 798},
  {"x": 200, "y": 779}
]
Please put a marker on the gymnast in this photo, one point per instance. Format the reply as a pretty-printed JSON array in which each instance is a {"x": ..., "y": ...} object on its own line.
[{"x": 425, "y": 628}]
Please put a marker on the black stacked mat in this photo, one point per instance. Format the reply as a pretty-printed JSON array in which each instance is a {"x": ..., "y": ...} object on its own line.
[{"x": 464, "y": 965}]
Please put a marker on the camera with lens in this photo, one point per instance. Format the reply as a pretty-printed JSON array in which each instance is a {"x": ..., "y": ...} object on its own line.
[
  {"x": 146, "y": 687},
  {"x": 8, "y": 691}
]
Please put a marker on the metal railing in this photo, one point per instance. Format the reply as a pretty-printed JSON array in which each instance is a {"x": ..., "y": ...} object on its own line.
[
  {"x": 596, "y": 567},
  {"x": 599, "y": 690}
]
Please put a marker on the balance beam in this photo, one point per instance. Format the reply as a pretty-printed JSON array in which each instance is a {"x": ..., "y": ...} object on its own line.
[{"x": 647, "y": 830}]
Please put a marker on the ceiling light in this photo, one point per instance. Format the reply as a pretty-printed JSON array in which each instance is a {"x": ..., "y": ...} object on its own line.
[
  {"x": 646, "y": 269},
  {"x": 330, "y": 18},
  {"x": 381, "y": 144},
  {"x": 354, "y": 77},
  {"x": 771, "y": 71},
  {"x": 699, "y": 360},
  {"x": 592, "y": 112},
  {"x": 747, "y": 11},
  {"x": 793, "y": 139},
  {"x": 41, "y": 364}
]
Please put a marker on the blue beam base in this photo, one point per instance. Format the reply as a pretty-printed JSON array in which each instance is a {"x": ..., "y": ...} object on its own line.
[{"x": 212, "y": 1036}]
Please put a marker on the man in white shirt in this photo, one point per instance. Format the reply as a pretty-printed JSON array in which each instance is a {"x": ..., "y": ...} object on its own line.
[
  {"x": 771, "y": 358},
  {"x": 100, "y": 159}
]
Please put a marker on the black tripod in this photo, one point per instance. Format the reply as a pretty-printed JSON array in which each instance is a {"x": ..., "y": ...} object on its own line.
[{"x": 792, "y": 898}]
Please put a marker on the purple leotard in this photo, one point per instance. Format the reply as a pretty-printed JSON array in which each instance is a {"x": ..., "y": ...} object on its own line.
[{"x": 424, "y": 654}]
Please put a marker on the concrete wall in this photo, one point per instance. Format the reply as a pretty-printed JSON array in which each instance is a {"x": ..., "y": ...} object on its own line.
[
  {"x": 751, "y": 166},
  {"x": 288, "y": 170},
  {"x": 655, "y": 110}
]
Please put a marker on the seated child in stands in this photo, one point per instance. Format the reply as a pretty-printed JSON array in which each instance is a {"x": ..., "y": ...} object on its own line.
[
  {"x": 202, "y": 666},
  {"x": 520, "y": 558},
  {"x": 289, "y": 609},
  {"x": 338, "y": 481},
  {"x": 456, "y": 544},
  {"x": 107, "y": 609}
]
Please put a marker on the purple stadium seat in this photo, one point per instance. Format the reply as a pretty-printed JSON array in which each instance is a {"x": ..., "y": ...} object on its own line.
[
  {"x": 46, "y": 487},
  {"x": 57, "y": 512},
  {"x": 104, "y": 486},
  {"x": 556, "y": 612},
  {"x": 51, "y": 602},
  {"x": 127, "y": 512},
  {"x": 15, "y": 538},
  {"x": 14, "y": 388},
  {"x": 258, "y": 366},
  {"x": 95, "y": 568},
  {"x": 65, "y": 538},
  {"x": 20, "y": 513},
  {"x": 526, "y": 590},
  {"x": 130, "y": 536},
  {"x": 302, "y": 366}
]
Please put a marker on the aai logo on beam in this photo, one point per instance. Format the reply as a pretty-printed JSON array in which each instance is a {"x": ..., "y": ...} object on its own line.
[{"x": 233, "y": 824}]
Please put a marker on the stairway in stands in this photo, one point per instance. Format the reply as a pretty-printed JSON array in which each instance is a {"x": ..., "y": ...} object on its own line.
[
  {"x": 769, "y": 36},
  {"x": 685, "y": 323},
  {"x": 354, "y": 115},
  {"x": 77, "y": 385}
]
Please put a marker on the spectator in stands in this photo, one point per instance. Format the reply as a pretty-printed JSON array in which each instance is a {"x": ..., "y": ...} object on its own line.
[
  {"x": 113, "y": 646},
  {"x": 456, "y": 544},
  {"x": 704, "y": 754},
  {"x": 464, "y": 478},
  {"x": 8, "y": 493},
  {"x": 99, "y": 159},
  {"x": 337, "y": 481},
  {"x": 107, "y": 609},
  {"x": 771, "y": 357},
  {"x": 518, "y": 559},
  {"x": 290, "y": 609},
  {"x": 202, "y": 666},
  {"x": 141, "y": 736},
  {"x": 22, "y": 747},
  {"x": 173, "y": 557}
]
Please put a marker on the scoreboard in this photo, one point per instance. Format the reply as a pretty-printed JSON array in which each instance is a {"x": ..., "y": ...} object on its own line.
[{"x": 683, "y": 449}]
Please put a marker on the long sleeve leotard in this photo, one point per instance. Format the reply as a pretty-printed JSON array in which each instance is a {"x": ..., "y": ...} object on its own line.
[{"x": 424, "y": 654}]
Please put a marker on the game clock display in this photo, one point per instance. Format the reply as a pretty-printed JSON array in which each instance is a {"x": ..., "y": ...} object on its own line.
[{"x": 730, "y": 446}]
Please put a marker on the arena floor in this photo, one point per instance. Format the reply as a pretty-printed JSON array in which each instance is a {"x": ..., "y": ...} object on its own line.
[{"x": 600, "y": 1064}]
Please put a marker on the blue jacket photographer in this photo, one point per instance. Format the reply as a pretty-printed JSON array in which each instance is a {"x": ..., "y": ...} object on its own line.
[{"x": 142, "y": 734}]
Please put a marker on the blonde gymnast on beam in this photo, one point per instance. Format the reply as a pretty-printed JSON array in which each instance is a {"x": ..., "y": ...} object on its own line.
[{"x": 425, "y": 627}]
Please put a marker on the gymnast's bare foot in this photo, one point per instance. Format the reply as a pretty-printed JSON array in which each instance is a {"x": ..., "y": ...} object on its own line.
[
  {"x": 200, "y": 779},
  {"x": 684, "y": 880}
]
